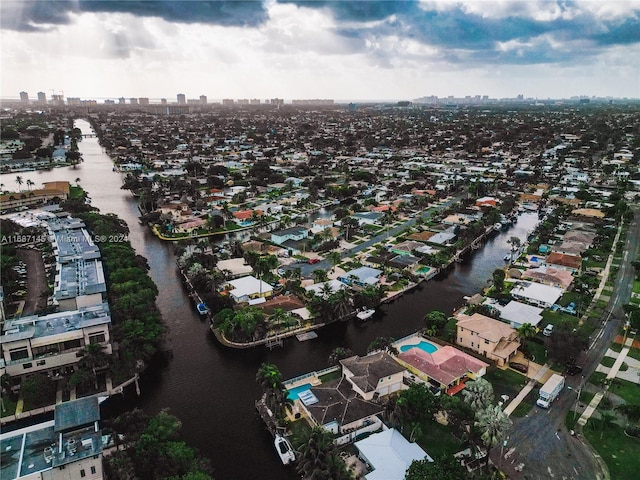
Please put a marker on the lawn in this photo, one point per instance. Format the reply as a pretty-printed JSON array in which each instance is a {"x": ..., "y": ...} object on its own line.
[
  {"x": 526, "y": 405},
  {"x": 597, "y": 378},
  {"x": 505, "y": 382},
  {"x": 299, "y": 428},
  {"x": 609, "y": 361},
  {"x": 327, "y": 377},
  {"x": 633, "y": 352},
  {"x": 620, "y": 453},
  {"x": 437, "y": 439},
  {"x": 538, "y": 351},
  {"x": 557, "y": 317},
  {"x": 636, "y": 286},
  {"x": 572, "y": 417},
  {"x": 627, "y": 390},
  {"x": 8, "y": 407}
]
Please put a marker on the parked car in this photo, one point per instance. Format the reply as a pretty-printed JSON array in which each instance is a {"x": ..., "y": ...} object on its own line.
[
  {"x": 548, "y": 330},
  {"x": 573, "y": 369},
  {"x": 313, "y": 261},
  {"x": 521, "y": 367}
]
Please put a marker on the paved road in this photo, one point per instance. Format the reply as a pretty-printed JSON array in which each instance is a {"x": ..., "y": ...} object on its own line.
[
  {"x": 541, "y": 440},
  {"x": 306, "y": 269}
]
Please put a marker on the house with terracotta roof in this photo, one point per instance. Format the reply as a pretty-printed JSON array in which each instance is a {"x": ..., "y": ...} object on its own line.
[
  {"x": 549, "y": 276},
  {"x": 564, "y": 261},
  {"x": 375, "y": 375},
  {"x": 487, "y": 202},
  {"x": 490, "y": 338},
  {"x": 447, "y": 368},
  {"x": 246, "y": 215}
]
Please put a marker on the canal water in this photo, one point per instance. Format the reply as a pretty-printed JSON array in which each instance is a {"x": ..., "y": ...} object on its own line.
[{"x": 211, "y": 388}]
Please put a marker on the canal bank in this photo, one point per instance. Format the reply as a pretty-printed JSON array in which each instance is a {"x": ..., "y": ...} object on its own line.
[{"x": 212, "y": 388}]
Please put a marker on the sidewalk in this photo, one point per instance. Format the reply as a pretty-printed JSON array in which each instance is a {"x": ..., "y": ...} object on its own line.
[
  {"x": 603, "y": 280},
  {"x": 525, "y": 391},
  {"x": 595, "y": 401}
]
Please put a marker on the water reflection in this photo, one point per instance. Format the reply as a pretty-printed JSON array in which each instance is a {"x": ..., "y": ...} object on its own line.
[{"x": 212, "y": 389}]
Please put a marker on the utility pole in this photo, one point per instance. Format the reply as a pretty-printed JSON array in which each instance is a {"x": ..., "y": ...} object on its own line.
[{"x": 575, "y": 409}]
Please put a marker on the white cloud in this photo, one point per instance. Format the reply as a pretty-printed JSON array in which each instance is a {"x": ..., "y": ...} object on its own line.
[{"x": 298, "y": 52}]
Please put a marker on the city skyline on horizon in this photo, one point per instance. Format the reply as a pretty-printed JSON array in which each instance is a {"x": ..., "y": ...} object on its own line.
[
  {"x": 191, "y": 100},
  {"x": 348, "y": 51}
]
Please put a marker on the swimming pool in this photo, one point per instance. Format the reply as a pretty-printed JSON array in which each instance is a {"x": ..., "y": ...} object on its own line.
[
  {"x": 296, "y": 391},
  {"x": 424, "y": 270},
  {"x": 423, "y": 345}
]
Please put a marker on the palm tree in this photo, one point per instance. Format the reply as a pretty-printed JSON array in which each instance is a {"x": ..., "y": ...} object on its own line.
[
  {"x": 382, "y": 343},
  {"x": 19, "y": 182},
  {"x": 416, "y": 430},
  {"x": 214, "y": 279},
  {"x": 340, "y": 353},
  {"x": 30, "y": 184},
  {"x": 316, "y": 455},
  {"x": 270, "y": 379},
  {"x": 388, "y": 218},
  {"x": 494, "y": 424},
  {"x": 341, "y": 302},
  {"x": 527, "y": 331},
  {"x": 335, "y": 258},
  {"x": 93, "y": 358},
  {"x": 478, "y": 394},
  {"x": 319, "y": 275}
]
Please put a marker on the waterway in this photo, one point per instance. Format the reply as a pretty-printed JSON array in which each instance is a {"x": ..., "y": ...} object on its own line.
[{"x": 211, "y": 388}]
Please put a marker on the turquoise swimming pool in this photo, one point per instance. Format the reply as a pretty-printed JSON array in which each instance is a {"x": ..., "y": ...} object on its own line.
[
  {"x": 296, "y": 391},
  {"x": 423, "y": 345}
]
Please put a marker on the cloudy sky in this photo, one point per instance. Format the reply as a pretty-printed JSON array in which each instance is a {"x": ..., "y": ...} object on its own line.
[{"x": 345, "y": 50}]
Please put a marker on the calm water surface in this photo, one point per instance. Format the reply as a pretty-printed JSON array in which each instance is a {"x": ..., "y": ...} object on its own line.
[{"x": 212, "y": 389}]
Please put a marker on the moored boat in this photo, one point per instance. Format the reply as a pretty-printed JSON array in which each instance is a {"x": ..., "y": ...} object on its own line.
[
  {"x": 203, "y": 309},
  {"x": 284, "y": 449},
  {"x": 365, "y": 314}
]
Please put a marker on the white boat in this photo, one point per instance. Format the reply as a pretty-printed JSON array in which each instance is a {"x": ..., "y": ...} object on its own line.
[
  {"x": 497, "y": 226},
  {"x": 284, "y": 449},
  {"x": 203, "y": 309},
  {"x": 507, "y": 258},
  {"x": 365, "y": 314}
]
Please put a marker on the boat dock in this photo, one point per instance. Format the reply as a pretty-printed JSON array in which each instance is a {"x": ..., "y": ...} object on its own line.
[
  {"x": 303, "y": 337},
  {"x": 266, "y": 415}
]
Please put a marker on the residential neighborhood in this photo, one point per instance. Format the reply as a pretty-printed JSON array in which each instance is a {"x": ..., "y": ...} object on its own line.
[{"x": 291, "y": 227}]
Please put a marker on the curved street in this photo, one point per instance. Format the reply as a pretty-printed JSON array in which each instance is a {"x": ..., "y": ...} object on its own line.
[{"x": 541, "y": 440}]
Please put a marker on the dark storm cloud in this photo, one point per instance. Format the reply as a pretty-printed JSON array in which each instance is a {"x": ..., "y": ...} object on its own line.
[
  {"x": 226, "y": 13},
  {"x": 34, "y": 16},
  {"x": 30, "y": 16}
]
